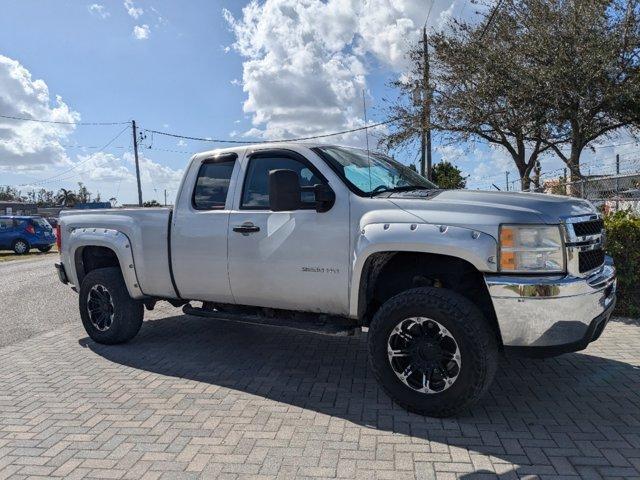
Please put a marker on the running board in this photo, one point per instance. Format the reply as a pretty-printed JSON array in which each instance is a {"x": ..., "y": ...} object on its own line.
[{"x": 322, "y": 324}]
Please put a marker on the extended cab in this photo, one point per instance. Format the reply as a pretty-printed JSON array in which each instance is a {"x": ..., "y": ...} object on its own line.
[{"x": 331, "y": 238}]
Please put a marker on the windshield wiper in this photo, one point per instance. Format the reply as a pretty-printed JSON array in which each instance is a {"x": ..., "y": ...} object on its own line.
[{"x": 404, "y": 188}]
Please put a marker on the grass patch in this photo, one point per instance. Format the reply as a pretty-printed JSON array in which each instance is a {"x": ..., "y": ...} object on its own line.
[{"x": 9, "y": 255}]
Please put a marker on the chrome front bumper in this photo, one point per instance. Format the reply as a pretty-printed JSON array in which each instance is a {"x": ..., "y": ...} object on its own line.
[{"x": 558, "y": 313}]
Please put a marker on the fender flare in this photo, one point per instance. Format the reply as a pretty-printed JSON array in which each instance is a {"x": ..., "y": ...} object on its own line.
[
  {"x": 475, "y": 247},
  {"x": 112, "y": 239}
]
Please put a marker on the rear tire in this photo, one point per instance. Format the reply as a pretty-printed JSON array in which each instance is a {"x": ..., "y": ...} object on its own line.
[
  {"x": 45, "y": 249},
  {"x": 21, "y": 247},
  {"x": 443, "y": 340},
  {"x": 109, "y": 314}
]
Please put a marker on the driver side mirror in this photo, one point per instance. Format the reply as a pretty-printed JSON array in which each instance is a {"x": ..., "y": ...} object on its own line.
[
  {"x": 325, "y": 197},
  {"x": 284, "y": 190}
]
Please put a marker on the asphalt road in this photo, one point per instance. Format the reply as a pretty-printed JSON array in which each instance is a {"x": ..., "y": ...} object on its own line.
[{"x": 32, "y": 300}]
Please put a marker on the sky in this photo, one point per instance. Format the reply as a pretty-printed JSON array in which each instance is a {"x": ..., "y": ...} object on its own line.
[{"x": 215, "y": 69}]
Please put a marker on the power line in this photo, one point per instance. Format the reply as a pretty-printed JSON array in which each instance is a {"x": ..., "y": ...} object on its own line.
[
  {"x": 245, "y": 142},
  {"x": 46, "y": 180},
  {"x": 490, "y": 20},
  {"x": 37, "y": 120}
]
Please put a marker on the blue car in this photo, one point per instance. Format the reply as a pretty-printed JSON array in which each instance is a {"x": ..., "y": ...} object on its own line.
[{"x": 22, "y": 233}]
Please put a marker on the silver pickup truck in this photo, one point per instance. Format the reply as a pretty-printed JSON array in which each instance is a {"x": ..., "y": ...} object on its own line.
[{"x": 329, "y": 239}]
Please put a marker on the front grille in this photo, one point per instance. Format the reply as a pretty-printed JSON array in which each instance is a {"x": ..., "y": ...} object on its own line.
[
  {"x": 590, "y": 227},
  {"x": 590, "y": 259}
]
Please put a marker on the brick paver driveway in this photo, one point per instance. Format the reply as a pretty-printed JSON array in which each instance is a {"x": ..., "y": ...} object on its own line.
[{"x": 192, "y": 397}]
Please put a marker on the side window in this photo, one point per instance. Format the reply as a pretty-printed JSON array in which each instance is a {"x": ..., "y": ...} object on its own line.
[
  {"x": 212, "y": 185},
  {"x": 5, "y": 224},
  {"x": 255, "y": 193}
]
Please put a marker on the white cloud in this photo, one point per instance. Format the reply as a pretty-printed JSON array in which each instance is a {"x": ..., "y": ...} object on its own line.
[
  {"x": 306, "y": 62},
  {"x": 182, "y": 143},
  {"x": 155, "y": 178},
  {"x": 132, "y": 10},
  {"x": 103, "y": 167},
  {"x": 452, "y": 153},
  {"x": 114, "y": 176},
  {"x": 141, "y": 32},
  {"x": 98, "y": 10},
  {"x": 31, "y": 146}
]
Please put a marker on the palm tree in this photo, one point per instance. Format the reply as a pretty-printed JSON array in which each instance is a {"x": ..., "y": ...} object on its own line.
[{"x": 66, "y": 198}]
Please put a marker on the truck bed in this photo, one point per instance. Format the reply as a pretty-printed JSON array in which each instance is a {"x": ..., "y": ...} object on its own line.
[{"x": 147, "y": 230}]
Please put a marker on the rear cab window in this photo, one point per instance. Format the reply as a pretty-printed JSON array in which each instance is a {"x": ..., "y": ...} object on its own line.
[{"x": 212, "y": 183}]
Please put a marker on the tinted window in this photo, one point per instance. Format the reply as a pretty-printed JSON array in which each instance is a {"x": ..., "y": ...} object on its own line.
[
  {"x": 256, "y": 184},
  {"x": 6, "y": 223},
  {"x": 212, "y": 185}
]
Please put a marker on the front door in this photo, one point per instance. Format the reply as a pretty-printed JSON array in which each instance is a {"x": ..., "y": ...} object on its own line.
[{"x": 295, "y": 260}]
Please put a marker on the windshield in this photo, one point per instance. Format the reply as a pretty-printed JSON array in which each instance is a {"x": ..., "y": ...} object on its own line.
[{"x": 373, "y": 173}]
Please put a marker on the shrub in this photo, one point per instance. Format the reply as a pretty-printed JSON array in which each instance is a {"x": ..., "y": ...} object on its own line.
[{"x": 623, "y": 244}]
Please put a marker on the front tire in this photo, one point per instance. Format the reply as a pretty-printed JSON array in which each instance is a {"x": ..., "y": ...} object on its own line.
[
  {"x": 21, "y": 247},
  {"x": 45, "y": 249},
  {"x": 109, "y": 314},
  {"x": 432, "y": 351}
]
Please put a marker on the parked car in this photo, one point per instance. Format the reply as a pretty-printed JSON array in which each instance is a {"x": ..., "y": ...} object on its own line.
[
  {"x": 53, "y": 221},
  {"x": 22, "y": 233},
  {"x": 329, "y": 238}
]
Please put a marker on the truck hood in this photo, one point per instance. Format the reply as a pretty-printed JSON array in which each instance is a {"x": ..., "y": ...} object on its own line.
[{"x": 484, "y": 211}]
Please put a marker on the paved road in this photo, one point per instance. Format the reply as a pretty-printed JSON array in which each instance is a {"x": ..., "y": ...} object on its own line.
[
  {"x": 32, "y": 301},
  {"x": 196, "y": 398}
]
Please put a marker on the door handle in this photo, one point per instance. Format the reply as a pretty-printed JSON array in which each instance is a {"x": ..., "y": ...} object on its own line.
[{"x": 246, "y": 228}]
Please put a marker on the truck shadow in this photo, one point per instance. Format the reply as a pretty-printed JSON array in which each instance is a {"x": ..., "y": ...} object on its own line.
[{"x": 535, "y": 409}]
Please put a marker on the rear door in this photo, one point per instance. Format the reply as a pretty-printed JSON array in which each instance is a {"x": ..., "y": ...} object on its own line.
[
  {"x": 199, "y": 230},
  {"x": 295, "y": 260}
]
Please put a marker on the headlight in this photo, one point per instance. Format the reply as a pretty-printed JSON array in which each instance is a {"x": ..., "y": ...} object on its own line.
[{"x": 531, "y": 249}]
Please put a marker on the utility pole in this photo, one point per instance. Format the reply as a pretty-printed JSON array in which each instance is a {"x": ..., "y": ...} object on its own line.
[
  {"x": 165, "y": 197},
  {"x": 425, "y": 156},
  {"x": 617, "y": 180},
  {"x": 135, "y": 152},
  {"x": 507, "y": 181}
]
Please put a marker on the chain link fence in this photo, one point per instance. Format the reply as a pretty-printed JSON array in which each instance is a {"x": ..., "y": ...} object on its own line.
[{"x": 609, "y": 193}]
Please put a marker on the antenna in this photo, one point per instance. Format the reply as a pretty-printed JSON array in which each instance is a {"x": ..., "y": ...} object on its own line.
[{"x": 366, "y": 134}]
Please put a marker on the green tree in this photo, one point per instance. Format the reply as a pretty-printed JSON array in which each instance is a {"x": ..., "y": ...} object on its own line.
[
  {"x": 584, "y": 57},
  {"x": 45, "y": 198},
  {"x": 532, "y": 76},
  {"x": 66, "y": 198},
  {"x": 447, "y": 175},
  {"x": 10, "y": 194},
  {"x": 83, "y": 195}
]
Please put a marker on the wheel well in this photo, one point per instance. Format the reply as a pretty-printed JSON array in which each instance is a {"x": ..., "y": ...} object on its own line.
[
  {"x": 92, "y": 257},
  {"x": 386, "y": 274}
]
